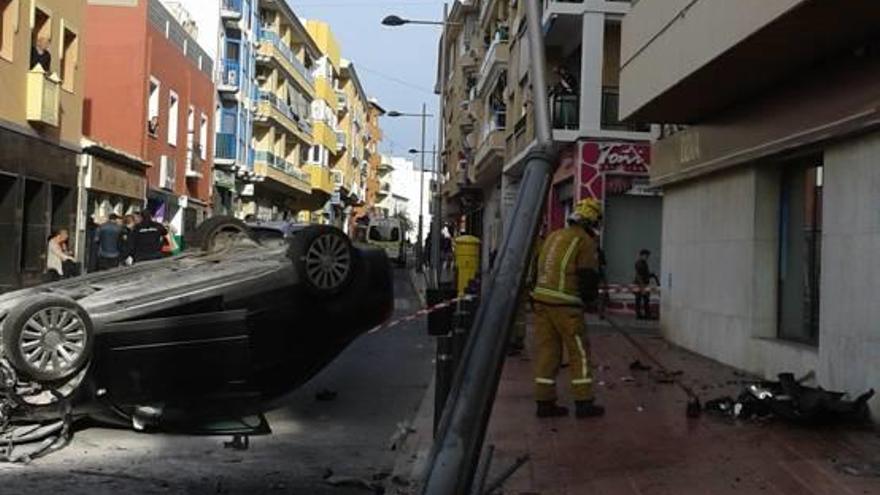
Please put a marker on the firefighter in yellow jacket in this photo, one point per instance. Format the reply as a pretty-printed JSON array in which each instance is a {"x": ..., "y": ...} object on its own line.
[{"x": 567, "y": 279}]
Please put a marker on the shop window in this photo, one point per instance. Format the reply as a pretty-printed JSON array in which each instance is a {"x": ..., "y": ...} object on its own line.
[
  {"x": 800, "y": 252},
  {"x": 70, "y": 56},
  {"x": 153, "y": 108},
  {"x": 8, "y": 26},
  {"x": 173, "y": 117},
  {"x": 41, "y": 41}
]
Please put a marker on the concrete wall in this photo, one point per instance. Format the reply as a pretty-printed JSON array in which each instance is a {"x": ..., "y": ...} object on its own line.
[
  {"x": 719, "y": 270},
  {"x": 658, "y": 47},
  {"x": 849, "y": 336}
]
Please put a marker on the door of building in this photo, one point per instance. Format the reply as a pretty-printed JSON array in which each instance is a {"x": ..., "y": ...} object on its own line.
[{"x": 632, "y": 223}]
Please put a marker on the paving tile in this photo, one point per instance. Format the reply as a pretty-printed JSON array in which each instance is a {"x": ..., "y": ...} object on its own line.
[{"x": 645, "y": 445}]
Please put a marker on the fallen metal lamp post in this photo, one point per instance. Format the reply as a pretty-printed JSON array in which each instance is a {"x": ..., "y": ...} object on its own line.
[{"x": 459, "y": 440}]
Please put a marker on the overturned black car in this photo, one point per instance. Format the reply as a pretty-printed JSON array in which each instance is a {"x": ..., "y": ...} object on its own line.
[{"x": 221, "y": 330}]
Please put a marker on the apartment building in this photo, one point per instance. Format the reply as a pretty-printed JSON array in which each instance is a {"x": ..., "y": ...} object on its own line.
[
  {"x": 282, "y": 122},
  {"x": 40, "y": 130},
  {"x": 767, "y": 161},
  {"x": 372, "y": 186},
  {"x": 489, "y": 125},
  {"x": 164, "y": 80},
  {"x": 329, "y": 141}
]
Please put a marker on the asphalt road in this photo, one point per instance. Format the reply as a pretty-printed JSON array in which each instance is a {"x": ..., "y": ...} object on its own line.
[{"x": 380, "y": 380}]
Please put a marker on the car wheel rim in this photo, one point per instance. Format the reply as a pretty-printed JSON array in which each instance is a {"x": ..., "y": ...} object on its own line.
[
  {"x": 328, "y": 261},
  {"x": 53, "y": 339}
]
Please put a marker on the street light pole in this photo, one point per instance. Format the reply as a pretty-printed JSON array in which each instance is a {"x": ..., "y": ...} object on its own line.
[
  {"x": 421, "y": 257},
  {"x": 437, "y": 219}
]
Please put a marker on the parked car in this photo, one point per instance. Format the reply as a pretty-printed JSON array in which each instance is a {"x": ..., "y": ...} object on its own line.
[{"x": 224, "y": 329}]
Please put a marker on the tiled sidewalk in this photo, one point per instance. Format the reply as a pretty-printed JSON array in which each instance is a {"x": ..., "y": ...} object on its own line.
[{"x": 646, "y": 445}]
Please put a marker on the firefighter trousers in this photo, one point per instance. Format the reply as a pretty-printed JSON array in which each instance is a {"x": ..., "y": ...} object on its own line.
[{"x": 555, "y": 327}]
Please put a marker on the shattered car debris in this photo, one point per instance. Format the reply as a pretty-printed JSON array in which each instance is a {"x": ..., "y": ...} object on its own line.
[
  {"x": 791, "y": 401},
  {"x": 220, "y": 331}
]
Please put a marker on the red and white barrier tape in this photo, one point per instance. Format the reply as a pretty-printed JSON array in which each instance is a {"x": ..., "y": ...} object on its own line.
[
  {"x": 421, "y": 313},
  {"x": 611, "y": 289}
]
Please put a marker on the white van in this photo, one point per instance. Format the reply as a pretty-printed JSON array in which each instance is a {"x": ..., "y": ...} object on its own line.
[{"x": 387, "y": 233}]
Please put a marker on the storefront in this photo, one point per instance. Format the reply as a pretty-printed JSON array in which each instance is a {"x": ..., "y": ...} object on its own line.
[
  {"x": 113, "y": 182},
  {"x": 615, "y": 173},
  {"x": 37, "y": 197}
]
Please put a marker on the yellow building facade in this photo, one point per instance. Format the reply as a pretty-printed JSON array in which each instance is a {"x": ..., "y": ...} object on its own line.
[{"x": 41, "y": 115}]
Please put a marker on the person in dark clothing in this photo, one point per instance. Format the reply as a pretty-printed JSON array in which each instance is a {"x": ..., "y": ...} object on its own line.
[
  {"x": 146, "y": 239},
  {"x": 40, "y": 55},
  {"x": 108, "y": 237},
  {"x": 643, "y": 281},
  {"x": 426, "y": 250}
]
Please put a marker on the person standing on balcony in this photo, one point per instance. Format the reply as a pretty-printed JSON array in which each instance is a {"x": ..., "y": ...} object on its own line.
[
  {"x": 40, "y": 55},
  {"x": 568, "y": 281}
]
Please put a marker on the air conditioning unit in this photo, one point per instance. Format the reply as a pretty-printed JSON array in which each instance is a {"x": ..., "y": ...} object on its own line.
[
  {"x": 232, "y": 78},
  {"x": 337, "y": 178}
]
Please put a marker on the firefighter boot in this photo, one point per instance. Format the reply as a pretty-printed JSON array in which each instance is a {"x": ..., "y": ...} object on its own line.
[
  {"x": 549, "y": 409},
  {"x": 587, "y": 409}
]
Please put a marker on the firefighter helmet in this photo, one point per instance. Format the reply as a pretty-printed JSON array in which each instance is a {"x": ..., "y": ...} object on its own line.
[{"x": 587, "y": 210}]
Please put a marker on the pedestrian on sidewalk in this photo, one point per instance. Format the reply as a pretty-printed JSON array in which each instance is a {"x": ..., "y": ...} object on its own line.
[
  {"x": 568, "y": 280},
  {"x": 643, "y": 285},
  {"x": 147, "y": 239},
  {"x": 109, "y": 239},
  {"x": 60, "y": 263}
]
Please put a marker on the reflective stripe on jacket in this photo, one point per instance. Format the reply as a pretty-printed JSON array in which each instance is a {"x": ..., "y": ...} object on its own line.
[{"x": 564, "y": 254}]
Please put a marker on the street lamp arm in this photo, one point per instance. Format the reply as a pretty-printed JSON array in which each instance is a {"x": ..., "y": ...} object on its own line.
[
  {"x": 395, "y": 114},
  {"x": 394, "y": 21}
]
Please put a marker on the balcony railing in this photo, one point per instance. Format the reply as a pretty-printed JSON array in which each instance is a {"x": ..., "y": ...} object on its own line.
[
  {"x": 282, "y": 165},
  {"x": 228, "y": 73},
  {"x": 194, "y": 162},
  {"x": 565, "y": 111},
  {"x": 167, "y": 172},
  {"x": 43, "y": 94},
  {"x": 497, "y": 122},
  {"x": 267, "y": 36},
  {"x": 225, "y": 146},
  {"x": 610, "y": 113},
  {"x": 230, "y": 9}
]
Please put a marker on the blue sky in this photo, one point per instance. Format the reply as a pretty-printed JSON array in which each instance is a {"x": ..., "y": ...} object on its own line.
[{"x": 396, "y": 65}]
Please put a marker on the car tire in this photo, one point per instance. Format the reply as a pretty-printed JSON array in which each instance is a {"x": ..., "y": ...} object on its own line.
[
  {"x": 215, "y": 233},
  {"x": 48, "y": 338},
  {"x": 324, "y": 259}
]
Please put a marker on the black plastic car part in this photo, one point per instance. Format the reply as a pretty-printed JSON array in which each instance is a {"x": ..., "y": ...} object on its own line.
[
  {"x": 48, "y": 338},
  {"x": 218, "y": 233},
  {"x": 325, "y": 259}
]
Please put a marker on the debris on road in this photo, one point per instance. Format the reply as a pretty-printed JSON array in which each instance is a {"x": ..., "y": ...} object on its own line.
[
  {"x": 352, "y": 482},
  {"x": 404, "y": 429},
  {"x": 791, "y": 401},
  {"x": 639, "y": 366}
]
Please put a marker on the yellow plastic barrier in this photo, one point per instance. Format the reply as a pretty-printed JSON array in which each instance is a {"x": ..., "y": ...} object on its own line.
[{"x": 467, "y": 260}]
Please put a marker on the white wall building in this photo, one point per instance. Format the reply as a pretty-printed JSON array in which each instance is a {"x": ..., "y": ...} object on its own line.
[{"x": 403, "y": 180}]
